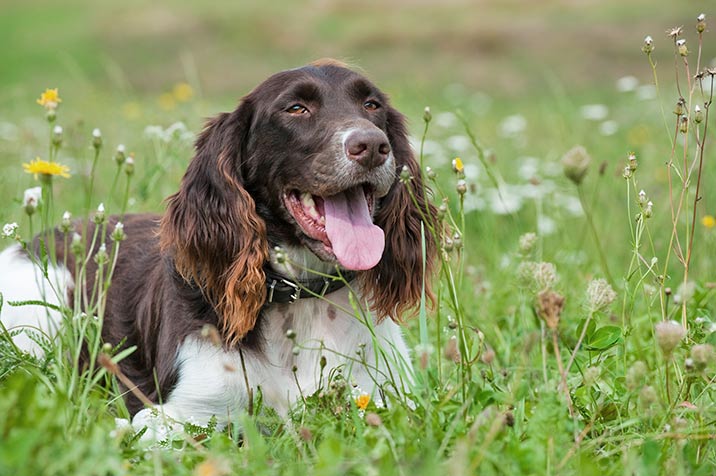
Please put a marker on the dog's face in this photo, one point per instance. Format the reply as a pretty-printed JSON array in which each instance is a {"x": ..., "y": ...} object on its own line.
[
  {"x": 310, "y": 158},
  {"x": 319, "y": 161}
]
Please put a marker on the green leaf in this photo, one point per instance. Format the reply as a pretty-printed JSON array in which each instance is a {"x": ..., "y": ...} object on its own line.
[{"x": 604, "y": 338}]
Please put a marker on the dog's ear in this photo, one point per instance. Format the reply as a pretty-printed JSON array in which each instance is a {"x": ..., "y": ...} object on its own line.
[
  {"x": 396, "y": 283},
  {"x": 211, "y": 228}
]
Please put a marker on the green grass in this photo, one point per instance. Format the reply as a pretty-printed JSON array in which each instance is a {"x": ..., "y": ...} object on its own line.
[{"x": 499, "y": 405}]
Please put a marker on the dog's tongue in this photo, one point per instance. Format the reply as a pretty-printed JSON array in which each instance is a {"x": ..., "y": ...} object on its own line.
[{"x": 356, "y": 241}]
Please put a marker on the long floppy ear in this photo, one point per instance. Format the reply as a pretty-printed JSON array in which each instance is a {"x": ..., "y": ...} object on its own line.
[
  {"x": 212, "y": 230},
  {"x": 395, "y": 284}
]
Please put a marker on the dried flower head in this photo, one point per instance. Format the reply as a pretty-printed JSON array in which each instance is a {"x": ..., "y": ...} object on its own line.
[
  {"x": 668, "y": 336},
  {"x": 549, "y": 307},
  {"x": 674, "y": 32},
  {"x": 600, "y": 295},
  {"x": 702, "y": 355},
  {"x": 576, "y": 164},
  {"x": 681, "y": 47},
  {"x": 451, "y": 350}
]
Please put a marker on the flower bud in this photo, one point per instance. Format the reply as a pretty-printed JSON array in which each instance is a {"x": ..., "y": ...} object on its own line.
[
  {"x": 101, "y": 257},
  {"x": 405, "y": 174},
  {"x": 457, "y": 240},
  {"x": 280, "y": 255},
  {"x": 442, "y": 210},
  {"x": 57, "y": 136},
  {"x": 641, "y": 198},
  {"x": 627, "y": 173},
  {"x": 648, "y": 212},
  {"x": 118, "y": 234},
  {"x": 96, "y": 138},
  {"x": 31, "y": 200},
  {"x": 576, "y": 164},
  {"x": 120, "y": 155},
  {"x": 701, "y": 23},
  {"x": 129, "y": 165},
  {"x": 684, "y": 125},
  {"x": 698, "y": 114},
  {"x": 66, "y": 224},
  {"x": 632, "y": 161},
  {"x": 290, "y": 334},
  {"x": 679, "y": 108},
  {"x": 99, "y": 215},
  {"x": 648, "y": 46},
  {"x": 681, "y": 47},
  {"x": 461, "y": 187},
  {"x": 76, "y": 246},
  {"x": 51, "y": 115},
  {"x": 702, "y": 355},
  {"x": 430, "y": 173},
  {"x": 427, "y": 115},
  {"x": 457, "y": 166}
]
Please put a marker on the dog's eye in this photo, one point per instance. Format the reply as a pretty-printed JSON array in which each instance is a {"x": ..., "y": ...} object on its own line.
[
  {"x": 371, "y": 105},
  {"x": 297, "y": 109}
]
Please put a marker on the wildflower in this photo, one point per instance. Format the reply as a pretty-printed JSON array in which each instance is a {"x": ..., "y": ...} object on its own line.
[
  {"x": 549, "y": 307},
  {"x": 698, "y": 114},
  {"x": 66, "y": 223},
  {"x": 451, "y": 350},
  {"x": 99, "y": 214},
  {"x": 76, "y": 246},
  {"x": 129, "y": 165},
  {"x": 182, "y": 92},
  {"x": 648, "y": 45},
  {"x": 461, "y": 187},
  {"x": 118, "y": 234},
  {"x": 685, "y": 292},
  {"x": 405, "y": 174},
  {"x": 648, "y": 211},
  {"x": 46, "y": 170},
  {"x": 31, "y": 199},
  {"x": 50, "y": 99},
  {"x": 681, "y": 47},
  {"x": 430, "y": 173},
  {"x": 488, "y": 356},
  {"x": 545, "y": 275},
  {"x": 701, "y": 23},
  {"x": 101, "y": 257},
  {"x": 457, "y": 166},
  {"x": 576, "y": 164},
  {"x": 600, "y": 295},
  {"x": 290, "y": 334},
  {"x": 57, "y": 136},
  {"x": 442, "y": 209},
  {"x": 627, "y": 173},
  {"x": 427, "y": 115},
  {"x": 362, "y": 401},
  {"x": 668, "y": 336},
  {"x": 120, "y": 155},
  {"x": 702, "y": 355},
  {"x": 709, "y": 221},
  {"x": 9, "y": 230},
  {"x": 631, "y": 158},
  {"x": 96, "y": 138},
  {"x": 641, "y": 197},
  {"x": 527, "y": 242}
]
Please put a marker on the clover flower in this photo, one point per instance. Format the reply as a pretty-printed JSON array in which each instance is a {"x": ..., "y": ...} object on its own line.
[
  {"x": 50, "y": 99},
  {"x": 668, "y": 335},
  {"x": 600, "y": 295},
  {"x": 46, "y": 170}
]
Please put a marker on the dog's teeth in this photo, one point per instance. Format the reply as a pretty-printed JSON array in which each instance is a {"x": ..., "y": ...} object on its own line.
[{"x": 309, "y": 206}]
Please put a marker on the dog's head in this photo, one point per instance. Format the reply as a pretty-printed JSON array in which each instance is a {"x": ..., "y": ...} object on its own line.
[{"x": 311, "y": 158}]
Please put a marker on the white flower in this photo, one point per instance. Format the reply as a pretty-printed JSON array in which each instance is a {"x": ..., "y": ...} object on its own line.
[
  {"x": 9, "y": 230},
  {"x": 594, "y": 112},
  {"x": 96, "y": 133},
  {"x": 32, "y": 197},
  {"x": 57, "y": 130}
]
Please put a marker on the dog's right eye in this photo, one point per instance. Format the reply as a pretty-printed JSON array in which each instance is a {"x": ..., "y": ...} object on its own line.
[{"x": 297, "y": 109}]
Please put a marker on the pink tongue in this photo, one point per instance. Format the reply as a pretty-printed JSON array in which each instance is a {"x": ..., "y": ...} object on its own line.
[{"x": 356, "y": 241}]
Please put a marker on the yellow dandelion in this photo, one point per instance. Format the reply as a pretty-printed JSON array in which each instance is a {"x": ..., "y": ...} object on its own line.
[
  {"x": 50, "y": 99},
  {"x": 182, "y": 92},
  {"x": 362, "y": 401},
  {"x": 709, "y": 221},
  {"x": 457, "y": 165},
  {"x": 46, "y": 169}
]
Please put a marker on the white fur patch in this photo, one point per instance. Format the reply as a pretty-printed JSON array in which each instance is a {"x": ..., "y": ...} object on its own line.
[{"x": 22, "y": 280}]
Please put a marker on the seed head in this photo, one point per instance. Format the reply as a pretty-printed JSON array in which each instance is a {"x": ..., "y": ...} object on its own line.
[
  {"x": 405, "y": 176},
  {"x": 675, "y": 32},
  {"x": 701, "y": 23},
  {"x": 668, "y": 336},
  {"x": 648, "y": 46},
  {"x": 576, "y": 164},
  {"x": 681, "y": 47},
  {"x": 648, "y": 209},
  {"x": 702, "y": 355},
  {"x": 451, "y": 350},
  {"x": 31, "y": 200},
  {"x": 600, "y": 295},
  {"x": 66, "y": 224},
  {"x": 627, "y": 173},
  {"x": 684, "y": 124},
  {"x": 76, "y": 247},
  {"x": 647, "y": 396},
  {"x": 698, "y": 114},
  {"x": 129, "y": 165},
  {"x": 631, "y": 158},
  {"x": 680, "y": 107},
  {"x": 427, "y": 115},
  {"x": 430, "y": 173},
  {"x": 99, "y": 216}
]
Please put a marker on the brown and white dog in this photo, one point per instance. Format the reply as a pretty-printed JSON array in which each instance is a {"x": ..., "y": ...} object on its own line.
[{"x": 308, "y": 162}]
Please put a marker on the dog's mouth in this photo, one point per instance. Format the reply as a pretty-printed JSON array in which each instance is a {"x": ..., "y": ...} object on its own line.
[{"x": 342, "y": 223}]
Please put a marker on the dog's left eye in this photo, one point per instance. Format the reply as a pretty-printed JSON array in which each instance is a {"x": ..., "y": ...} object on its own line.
[
  {"x": 297, "y": 109},
  {"x": 371, "y": 105}
]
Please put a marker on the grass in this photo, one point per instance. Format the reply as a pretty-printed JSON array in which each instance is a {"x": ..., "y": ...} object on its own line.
[{"x": 524, "y": 368}]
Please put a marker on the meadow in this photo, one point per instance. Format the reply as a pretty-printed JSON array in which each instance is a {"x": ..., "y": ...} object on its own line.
[{"x": 568, "y": 145}]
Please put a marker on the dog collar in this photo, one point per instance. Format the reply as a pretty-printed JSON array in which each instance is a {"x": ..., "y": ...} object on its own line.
[{"x": 281, "y": 290}]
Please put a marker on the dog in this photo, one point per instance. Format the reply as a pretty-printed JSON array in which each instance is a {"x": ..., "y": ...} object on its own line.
[{"x": 298, "y": 233}]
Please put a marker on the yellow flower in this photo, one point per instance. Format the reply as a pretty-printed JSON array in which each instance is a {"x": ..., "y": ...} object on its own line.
[
  {"x": 167, "y": 101},
  {"x": 50, "y": 99},
  {"x": 709, "y": 221},
  {"x": 362, "y": 401},
  {"x": 182, "y": 92},
  {"x": 457, "y": 165},
  {"x": 46, "y": 169}
]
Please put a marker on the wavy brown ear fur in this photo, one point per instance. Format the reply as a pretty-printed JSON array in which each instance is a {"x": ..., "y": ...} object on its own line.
[
  {"x": 395, "y": 284},
  {"x": 212, "y": 230}
]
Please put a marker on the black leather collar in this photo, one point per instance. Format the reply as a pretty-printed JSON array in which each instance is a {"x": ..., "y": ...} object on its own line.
[{"x": 280, "y": 289}]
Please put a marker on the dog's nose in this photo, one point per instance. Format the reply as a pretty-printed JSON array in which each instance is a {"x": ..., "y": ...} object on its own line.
[{"x": 368, "y": 147}]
